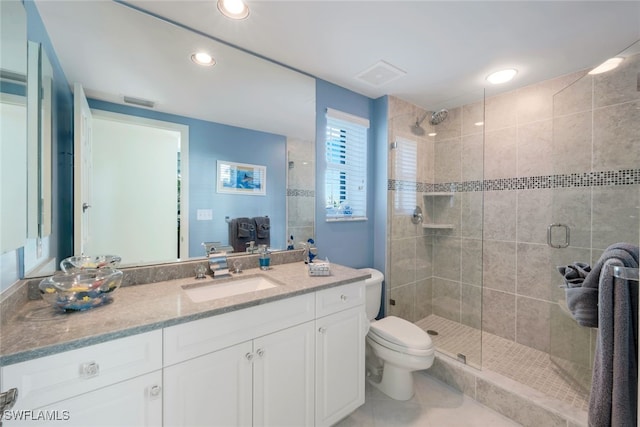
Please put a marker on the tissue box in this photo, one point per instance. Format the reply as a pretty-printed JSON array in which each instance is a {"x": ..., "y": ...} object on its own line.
[{"x": 319, "y": 269}]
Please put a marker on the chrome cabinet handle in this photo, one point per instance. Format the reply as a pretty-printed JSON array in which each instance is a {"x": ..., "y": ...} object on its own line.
[
  {"x": 155, "y": 391},
  {"x": 322, "y": 329},
  {"x": 249, "y": 356},
  {"x": 260, "y": 352},
  {"x": 89, "y": 369},
  {"x": 7, "y": 400},
  {"x": 343, "y": 297},
  {"x": 567, "y": 236}
]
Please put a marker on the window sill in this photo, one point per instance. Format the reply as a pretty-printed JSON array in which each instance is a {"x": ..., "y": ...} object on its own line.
[{"x": 346, "y": 219}]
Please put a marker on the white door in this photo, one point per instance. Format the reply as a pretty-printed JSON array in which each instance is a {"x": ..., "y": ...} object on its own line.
[
  {"x": 339, "y": 365},
  {"x": 283, "y": 375},
  {"x": 82, "y": 169},
  {"x": 13, "y": 163},
  {"x": 210, "y": 390},
  {"x": 135, "y": 188}
]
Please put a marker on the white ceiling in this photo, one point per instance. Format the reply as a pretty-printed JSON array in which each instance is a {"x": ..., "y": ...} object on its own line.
[{"x": 445, "y": 48}]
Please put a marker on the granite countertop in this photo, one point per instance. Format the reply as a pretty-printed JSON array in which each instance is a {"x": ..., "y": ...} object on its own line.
[{"x": 37, "y": 329}]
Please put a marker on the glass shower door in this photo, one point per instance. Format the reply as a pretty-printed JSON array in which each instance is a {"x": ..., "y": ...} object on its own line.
[{"x": 594, "y": 194}]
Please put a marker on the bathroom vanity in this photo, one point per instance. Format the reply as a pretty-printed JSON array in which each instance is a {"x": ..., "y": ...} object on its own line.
[{"x": 288, "y": 355}]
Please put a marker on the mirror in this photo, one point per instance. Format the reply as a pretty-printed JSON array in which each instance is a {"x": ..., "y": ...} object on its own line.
[
  {"x": 13, "y": 139},
  {"x": 37, "y": 254},
  {"x": 233, "y": 110}
]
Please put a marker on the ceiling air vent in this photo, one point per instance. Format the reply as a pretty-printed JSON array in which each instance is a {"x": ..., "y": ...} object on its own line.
[
  {"x": 380, "y": 73},
  {"x": 139, "y": 102}
]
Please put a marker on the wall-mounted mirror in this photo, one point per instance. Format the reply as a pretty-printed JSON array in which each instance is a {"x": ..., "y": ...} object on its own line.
[
  {"x": 38, "y": 255},
  {"x": 13, "y": 128},
  {"x": 244, "y": 109}
]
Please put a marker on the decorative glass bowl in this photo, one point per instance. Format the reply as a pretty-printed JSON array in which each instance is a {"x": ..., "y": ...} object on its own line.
[
  {"x": 84, "y": 262},
  {"x": 81, "y": 290}
]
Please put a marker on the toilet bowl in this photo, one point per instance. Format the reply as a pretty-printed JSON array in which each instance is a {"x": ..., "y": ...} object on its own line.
[
  {"x": 395, "y": 347},
  {"x": 402, "y": 348}
]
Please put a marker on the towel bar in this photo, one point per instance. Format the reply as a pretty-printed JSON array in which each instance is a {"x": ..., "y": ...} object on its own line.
[{"x": 625, "y": 273}]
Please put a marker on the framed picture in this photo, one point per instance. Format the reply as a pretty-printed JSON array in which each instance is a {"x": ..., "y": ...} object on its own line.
[{"x": 242, "y": 178}]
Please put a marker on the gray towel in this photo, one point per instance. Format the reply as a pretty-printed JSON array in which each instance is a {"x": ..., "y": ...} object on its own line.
[
  {"x": 613, "y": 399},
  {"x": 241, "y": 231},
  {"x": 245, "y": 227},
  {"x": 263, "y": 230},
  {"x": 574, "y": 274},
  {"x": 262, "y": 224},
  {"x": 581, "y": 295}
]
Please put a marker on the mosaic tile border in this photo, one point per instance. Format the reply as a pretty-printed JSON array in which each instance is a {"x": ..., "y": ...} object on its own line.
[
  {"x": 585, "y": 179},
  {"x": 295, "y": 192}
]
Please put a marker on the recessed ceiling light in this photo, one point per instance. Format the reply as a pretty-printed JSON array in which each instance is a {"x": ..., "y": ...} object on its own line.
[
  {"x": 479, "y": 123},
  {"x": 432, "y": 134},
  {"x": 203, "y": 58},
  {"x": 502, "y": 76},
  {"x": 607, "y": 65},
  {"x": 234, "y": 9}
]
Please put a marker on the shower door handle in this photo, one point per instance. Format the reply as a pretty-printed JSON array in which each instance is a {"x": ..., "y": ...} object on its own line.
[{"x": 567, "y": 236}]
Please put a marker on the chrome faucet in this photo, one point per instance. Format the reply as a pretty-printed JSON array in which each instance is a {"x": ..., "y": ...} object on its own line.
[
  {"x": 218, "y": 265},
  {"x": 210, "y": 247},
  {"x": 251, "y": 247}
]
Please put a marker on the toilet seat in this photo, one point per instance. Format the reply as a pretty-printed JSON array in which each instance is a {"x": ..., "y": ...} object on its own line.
[{"x": 402, "y": 336}]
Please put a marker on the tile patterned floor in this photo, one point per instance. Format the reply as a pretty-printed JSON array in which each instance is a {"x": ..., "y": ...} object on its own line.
[
  {"x": 435, "y": 404},
  {"x": 520, "y": 363}
]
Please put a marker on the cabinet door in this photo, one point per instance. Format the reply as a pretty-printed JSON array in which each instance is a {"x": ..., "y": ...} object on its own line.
[
  {"x": 284, "y": 377},
  {"x": 340, "y": 341},
  {"x": 210, "y": 390},
  {"x": 136, "y": 402}
]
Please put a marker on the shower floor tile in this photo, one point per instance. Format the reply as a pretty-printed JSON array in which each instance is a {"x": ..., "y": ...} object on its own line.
[{"x": 526, "y": 365}]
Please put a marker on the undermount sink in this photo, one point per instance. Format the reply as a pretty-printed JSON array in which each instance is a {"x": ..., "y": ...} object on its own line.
[{"x": 200, "y": 292}]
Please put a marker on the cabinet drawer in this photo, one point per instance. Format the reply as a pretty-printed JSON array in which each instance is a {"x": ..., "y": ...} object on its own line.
[
  {"x": 339, "y": 298},
  {"x": 60, "y": 376},
  {"x": 193, "y": 339}
]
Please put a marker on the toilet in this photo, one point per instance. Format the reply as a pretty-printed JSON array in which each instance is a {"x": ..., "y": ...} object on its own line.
[{"x": 395, "y": 347}]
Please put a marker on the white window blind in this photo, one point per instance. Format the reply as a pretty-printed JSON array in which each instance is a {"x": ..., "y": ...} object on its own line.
[
  {"x": 406, "y": 169},
  {"x": 346, "y": 173}
]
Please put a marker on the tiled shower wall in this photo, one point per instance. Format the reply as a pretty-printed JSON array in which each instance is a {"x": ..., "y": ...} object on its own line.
[
  {"x": 572, "y": 158},
  {"x": 301, "y": 174}
]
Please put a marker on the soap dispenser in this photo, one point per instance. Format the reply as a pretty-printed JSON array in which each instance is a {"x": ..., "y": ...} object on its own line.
[{"x": 265, "y": 257}]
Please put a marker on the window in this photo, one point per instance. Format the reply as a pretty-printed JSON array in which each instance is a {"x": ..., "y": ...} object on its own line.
[{"x": 346, "y": 173}]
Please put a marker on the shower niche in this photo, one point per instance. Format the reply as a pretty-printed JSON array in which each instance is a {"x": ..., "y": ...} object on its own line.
[{"x": 438, "y": 205}]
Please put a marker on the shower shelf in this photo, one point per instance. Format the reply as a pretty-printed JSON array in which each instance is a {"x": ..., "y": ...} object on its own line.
[
  {"x": 437, "y": 194},
  {"x": 439, "y": 226}
]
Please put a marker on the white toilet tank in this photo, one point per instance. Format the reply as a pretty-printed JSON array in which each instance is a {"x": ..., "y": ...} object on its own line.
[{"x": 373, "y": 292}]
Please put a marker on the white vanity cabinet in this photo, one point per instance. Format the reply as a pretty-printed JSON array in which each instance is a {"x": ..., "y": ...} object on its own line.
[
  {"x": 341, "y": 327},
  {"x": 251, "y": 367},
  {"x": 297, "y": 361},
  {"x": 118, "y": 382}
]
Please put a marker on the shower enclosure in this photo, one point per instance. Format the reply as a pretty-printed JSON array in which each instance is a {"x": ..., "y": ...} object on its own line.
[{"x": 511, "y": 186}]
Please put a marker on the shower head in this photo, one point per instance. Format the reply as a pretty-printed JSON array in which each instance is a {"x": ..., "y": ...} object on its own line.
[{"x": 439, "y": 116}]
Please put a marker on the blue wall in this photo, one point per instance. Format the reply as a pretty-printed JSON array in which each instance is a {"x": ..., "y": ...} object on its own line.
[
  {"x": 209, "y": 142},
  {"x": 348, "y": 243}
]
